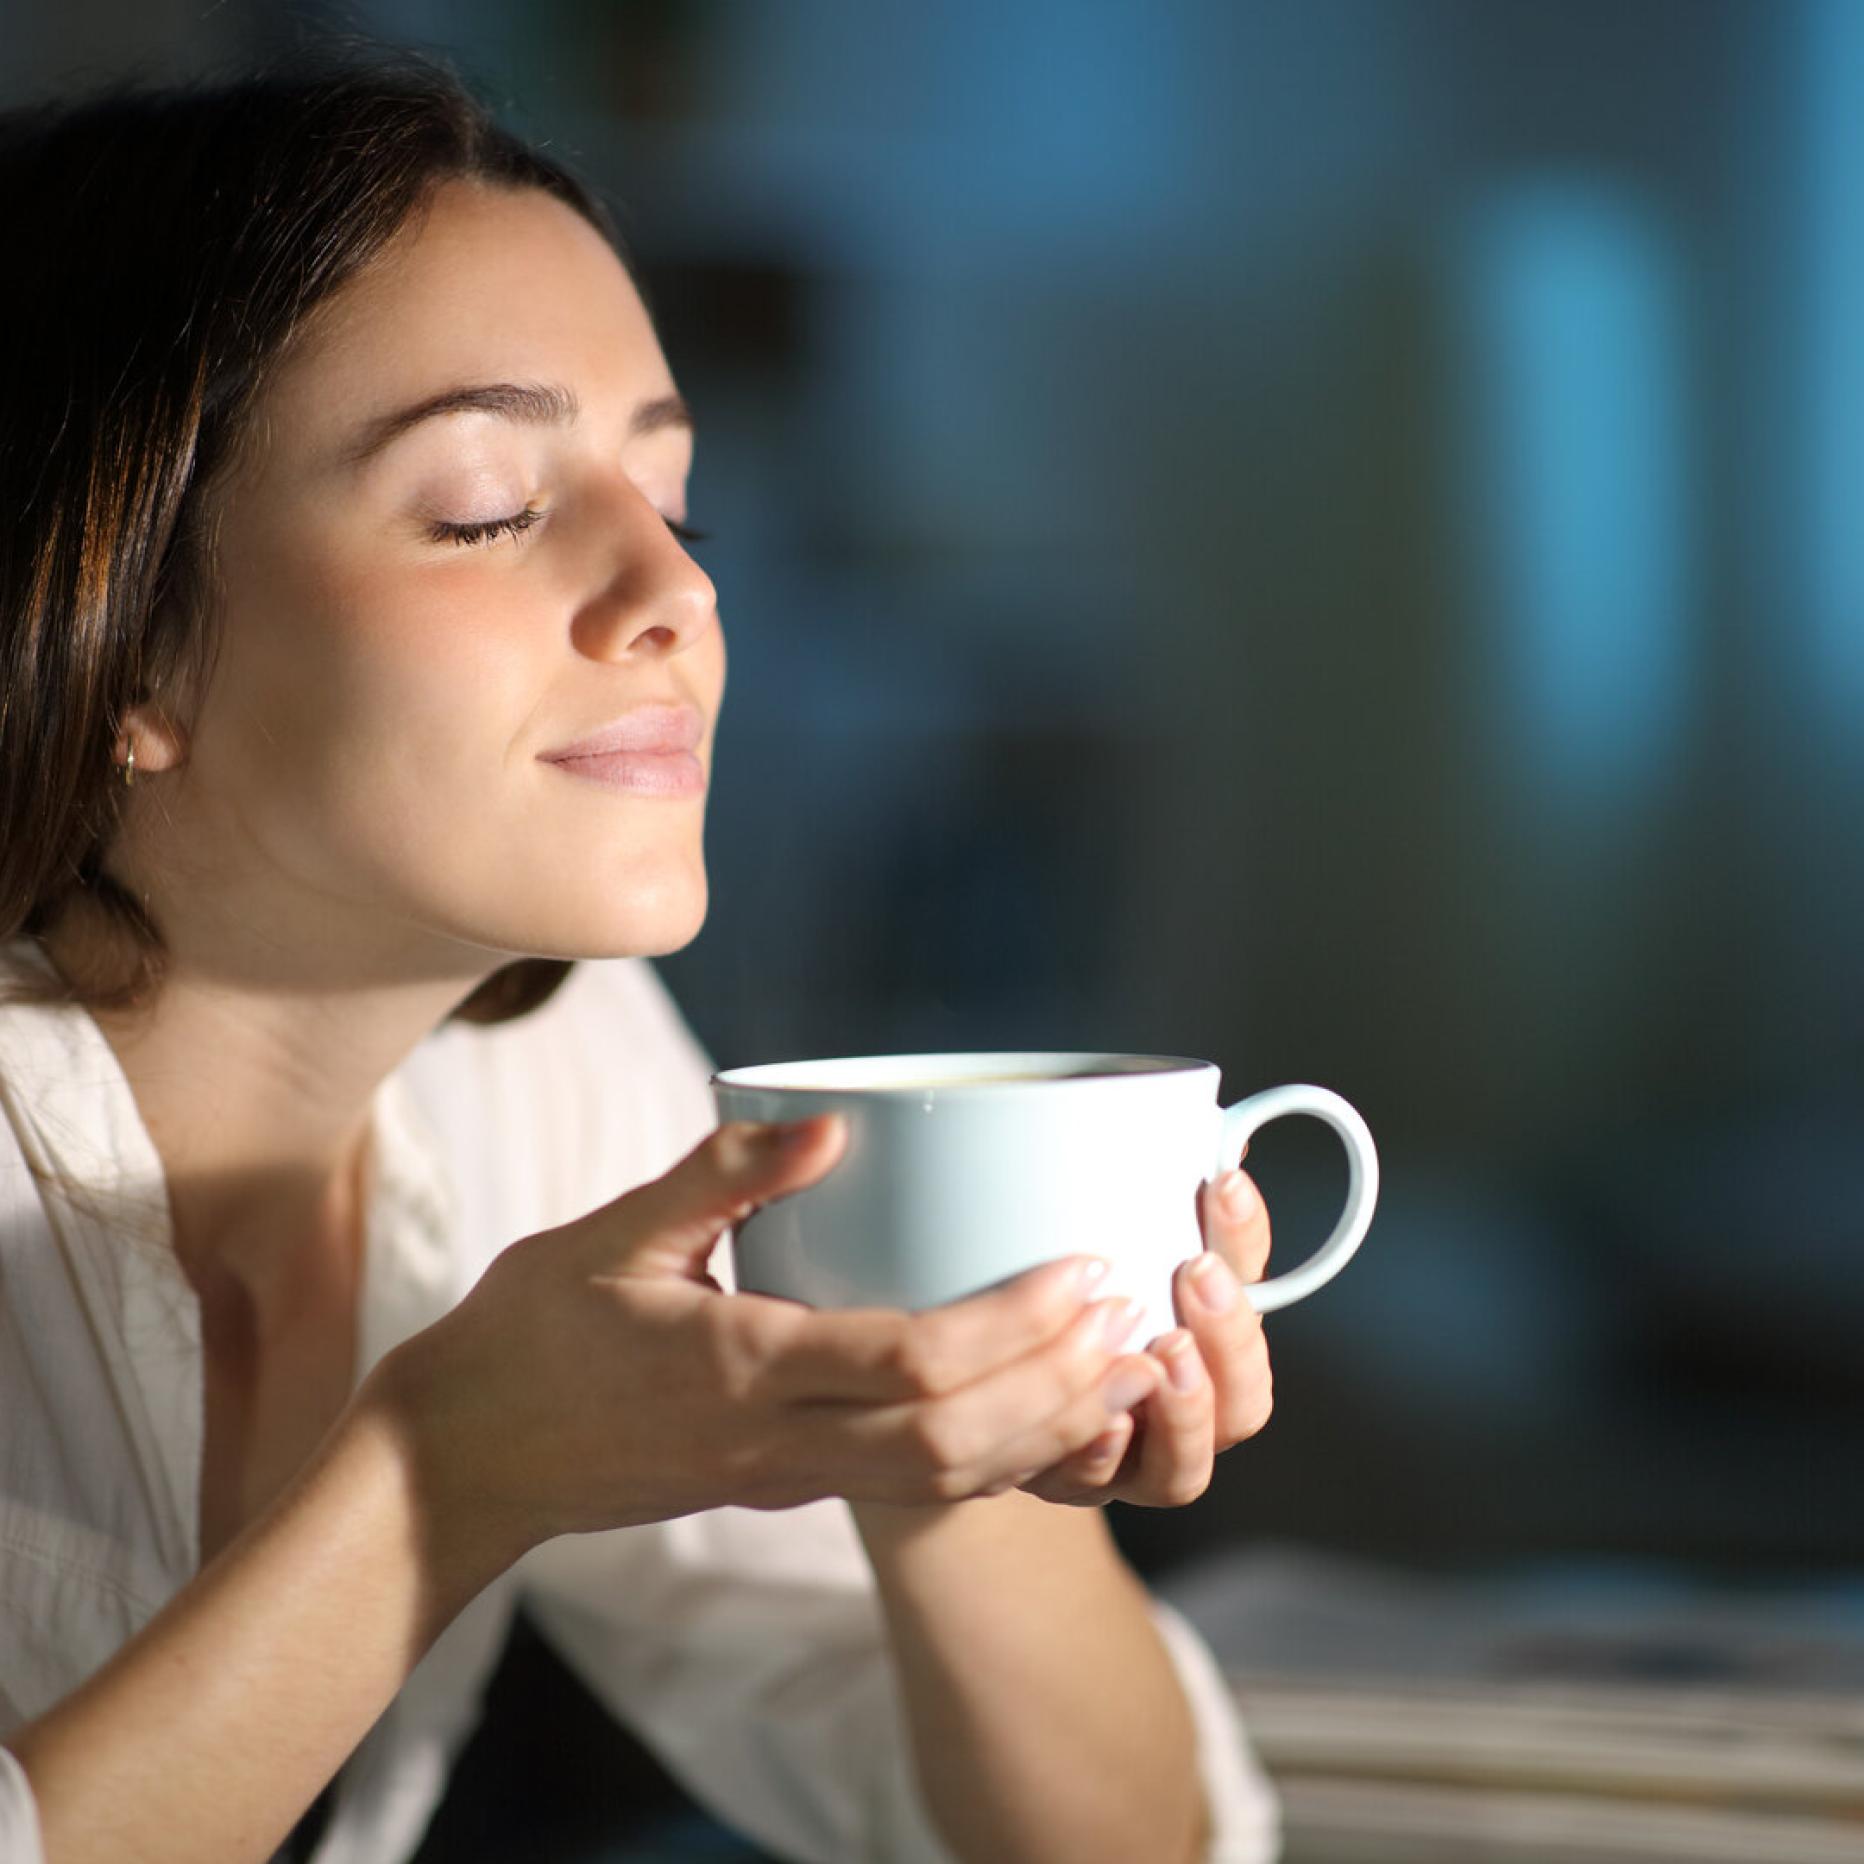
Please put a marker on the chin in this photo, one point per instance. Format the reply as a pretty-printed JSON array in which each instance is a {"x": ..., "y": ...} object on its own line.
[{"x": 650, "y": 923}]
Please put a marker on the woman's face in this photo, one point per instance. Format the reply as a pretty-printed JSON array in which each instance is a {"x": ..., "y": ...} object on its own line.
[{"x": 367, "y": 757}]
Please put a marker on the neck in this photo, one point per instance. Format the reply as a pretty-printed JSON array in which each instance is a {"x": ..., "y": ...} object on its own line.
[{"x": 258, "y": 1095}]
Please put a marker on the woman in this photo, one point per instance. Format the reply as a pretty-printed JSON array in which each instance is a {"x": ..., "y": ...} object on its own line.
[{"x": 347, "y": 484}]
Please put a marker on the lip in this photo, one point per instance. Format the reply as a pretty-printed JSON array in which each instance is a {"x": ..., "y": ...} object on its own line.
[
  {"x": 651, "y": 730},
  {"x": 639, "y": 773}
]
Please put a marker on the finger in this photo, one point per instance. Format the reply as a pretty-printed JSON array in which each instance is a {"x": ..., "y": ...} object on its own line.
[
  {"x": 1127, "y": 1383},
  {"x": 669, "y": 1225},
  {"x": 1177, "y": 1446},
  {"x": 1231, "y": 1343},
  {"x": 875, "y": 1355},
  {"x": 1027, "y": 1416},
  {"x": 1083, "y": 1480},
  {"x": 1236, "y": 1223}
]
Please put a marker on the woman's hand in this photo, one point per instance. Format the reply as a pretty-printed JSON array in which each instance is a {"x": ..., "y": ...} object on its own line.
[
  {"x": 596, "y": 1376},
  {"x": 1217, "y": 1387}
]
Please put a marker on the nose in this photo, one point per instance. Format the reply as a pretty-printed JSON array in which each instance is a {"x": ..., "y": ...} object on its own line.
[{"x": 652, "y": 597}]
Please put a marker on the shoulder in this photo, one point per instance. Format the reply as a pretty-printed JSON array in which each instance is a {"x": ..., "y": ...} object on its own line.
[
  {"x": 611, "y": 1034},
  {"x": 601, "y": 1088}
]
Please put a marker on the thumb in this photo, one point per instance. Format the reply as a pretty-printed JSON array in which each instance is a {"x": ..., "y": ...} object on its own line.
[{"x": 673, "y": 1222}]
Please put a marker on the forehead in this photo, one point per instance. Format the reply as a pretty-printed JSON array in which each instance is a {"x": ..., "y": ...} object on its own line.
[{"x": 487, "y": 284}]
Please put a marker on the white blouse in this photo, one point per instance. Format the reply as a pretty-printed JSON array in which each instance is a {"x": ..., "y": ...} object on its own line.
[{"x": 744, "y": 1647}]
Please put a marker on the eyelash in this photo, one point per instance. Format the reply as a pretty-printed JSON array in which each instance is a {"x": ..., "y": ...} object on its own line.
[{"x": 521, "y": 521}]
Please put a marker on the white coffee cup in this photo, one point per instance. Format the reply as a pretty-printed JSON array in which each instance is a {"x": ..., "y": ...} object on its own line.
[{"x": 963, "y": 1169}]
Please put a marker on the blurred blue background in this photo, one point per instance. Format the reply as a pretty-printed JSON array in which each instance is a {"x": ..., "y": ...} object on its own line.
[{"x": 1323, "y": 535}]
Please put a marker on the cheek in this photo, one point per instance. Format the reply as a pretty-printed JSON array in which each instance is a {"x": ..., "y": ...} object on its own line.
[
  {"x": 387, "y": 698},
  {"x": 439, "y": 668},
  {"x": 386, "y": 655}
]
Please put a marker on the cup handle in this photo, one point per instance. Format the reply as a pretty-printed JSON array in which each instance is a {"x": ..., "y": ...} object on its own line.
[{"x": 1362, "y": 1190}]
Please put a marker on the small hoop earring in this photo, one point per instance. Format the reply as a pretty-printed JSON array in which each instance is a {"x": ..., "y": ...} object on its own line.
[{"x": 128, "y": 766}]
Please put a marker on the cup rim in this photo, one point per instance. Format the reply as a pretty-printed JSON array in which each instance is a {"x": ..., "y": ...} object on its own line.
[{"x": 763, "y": 1076}]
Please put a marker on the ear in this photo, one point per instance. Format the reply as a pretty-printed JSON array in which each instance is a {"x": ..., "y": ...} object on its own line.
[{"x": 161, "y": 744}]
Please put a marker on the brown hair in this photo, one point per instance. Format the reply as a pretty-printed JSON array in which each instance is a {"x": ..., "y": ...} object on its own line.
[{"x": 167, "y": 247}]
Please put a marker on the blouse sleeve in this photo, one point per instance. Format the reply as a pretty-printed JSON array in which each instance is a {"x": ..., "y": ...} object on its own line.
[{"x": 20, "y": 1838}]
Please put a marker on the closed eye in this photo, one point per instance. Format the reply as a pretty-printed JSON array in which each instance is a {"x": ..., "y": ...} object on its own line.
[
  {"x": 518, "y": 522},
  {"x": 443, "y": 532}
]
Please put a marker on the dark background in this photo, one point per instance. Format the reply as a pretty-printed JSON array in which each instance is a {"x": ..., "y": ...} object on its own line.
[{"x": 1324, "y": 535}]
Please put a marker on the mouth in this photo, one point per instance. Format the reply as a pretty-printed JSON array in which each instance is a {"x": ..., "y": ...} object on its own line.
[
  {"x": 647, "y": 752},
  {"x": 653, "y": 730}
]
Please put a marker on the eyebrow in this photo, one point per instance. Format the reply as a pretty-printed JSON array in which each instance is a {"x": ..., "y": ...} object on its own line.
[{"x": 539, "y": 403}]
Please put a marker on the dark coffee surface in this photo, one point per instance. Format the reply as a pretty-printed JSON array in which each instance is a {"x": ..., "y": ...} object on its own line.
[{"x": 990, "y": 1080}]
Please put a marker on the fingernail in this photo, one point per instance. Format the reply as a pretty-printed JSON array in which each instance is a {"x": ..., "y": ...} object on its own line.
[
  {"x": 1216, "y": 1286},
  {"x": 1089, "y": 1273},
  {"x": 1182, "y": 1366},
  {"x": 1125, "y": 1389},
  {"x": 1104, "y": 1445},
  {"x": 1237, "y": 1196},
  {"x": 790, "y": 1138},
  {"x": 1117, "y": 1321}
]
